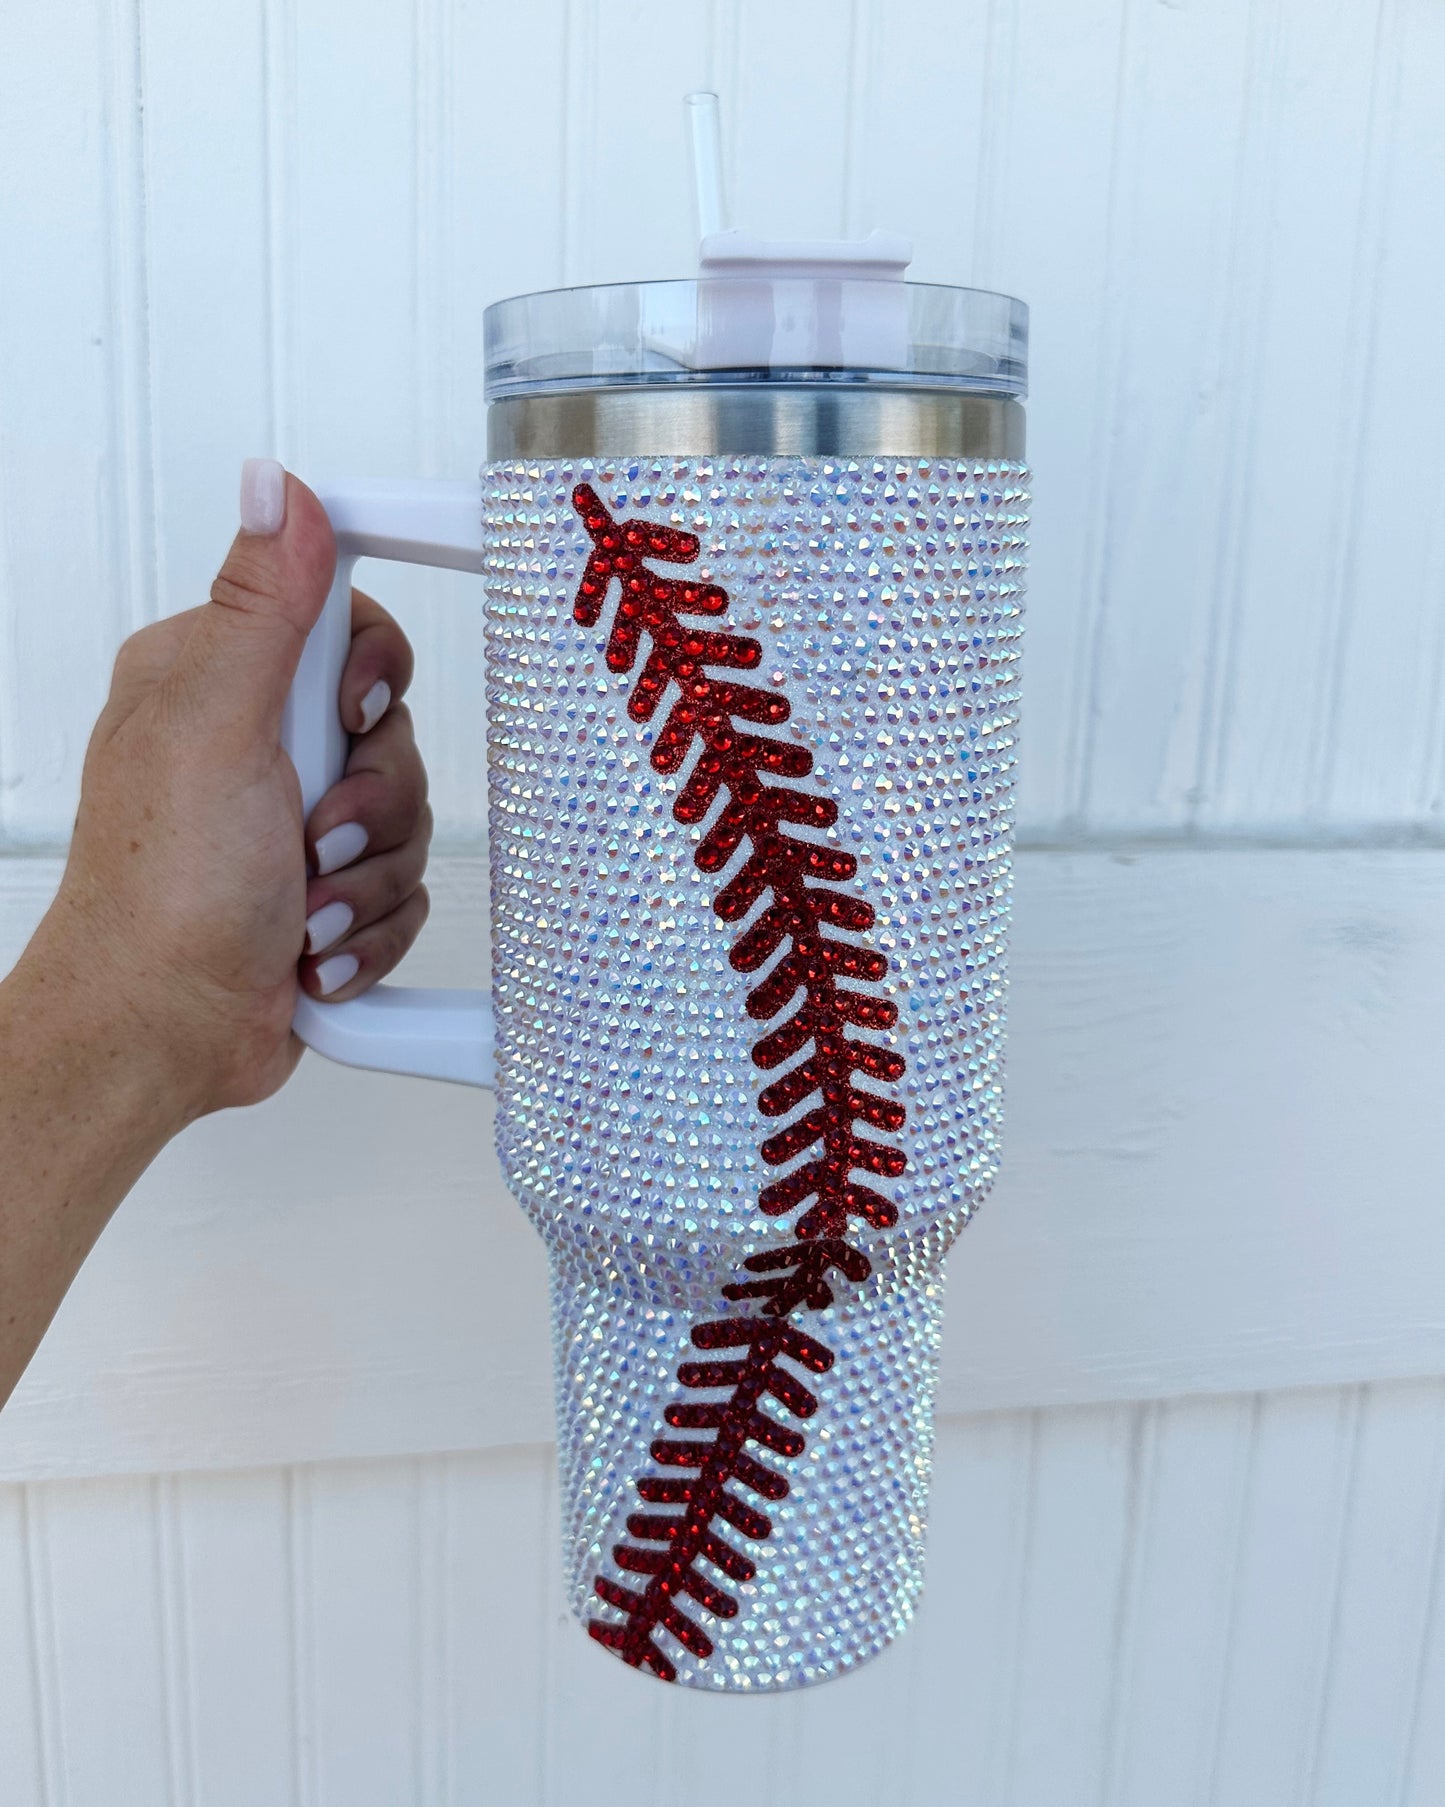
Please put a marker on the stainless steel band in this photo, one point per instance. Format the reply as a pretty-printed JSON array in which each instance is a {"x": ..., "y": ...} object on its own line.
[{"x": 723, "y": 420}]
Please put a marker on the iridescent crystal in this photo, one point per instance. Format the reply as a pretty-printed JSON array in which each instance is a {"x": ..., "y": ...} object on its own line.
[{"x": 886, "y": 595}]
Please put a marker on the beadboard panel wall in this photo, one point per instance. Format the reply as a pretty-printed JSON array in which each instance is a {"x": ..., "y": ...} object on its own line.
[
  {"x": 1155, "y": 1576},
  {"x": 1229, "y": 1601},
  {"x": 1221, "y": 1174},
  {"x": 274, "y": 226}
]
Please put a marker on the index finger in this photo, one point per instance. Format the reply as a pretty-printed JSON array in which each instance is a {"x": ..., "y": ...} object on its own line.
[{"x": 378, "y": 667}]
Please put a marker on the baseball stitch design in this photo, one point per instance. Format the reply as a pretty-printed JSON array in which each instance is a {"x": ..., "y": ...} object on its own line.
[{"x": 800, "y": 876}]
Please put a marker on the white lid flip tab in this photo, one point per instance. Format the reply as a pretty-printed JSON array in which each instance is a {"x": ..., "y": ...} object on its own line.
[{"x": 807, "y": 304}]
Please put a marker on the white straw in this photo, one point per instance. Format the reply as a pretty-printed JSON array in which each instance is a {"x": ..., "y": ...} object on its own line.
[{"x": 705, "y": 134}]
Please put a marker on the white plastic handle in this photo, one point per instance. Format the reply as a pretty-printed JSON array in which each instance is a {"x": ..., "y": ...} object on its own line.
[{"x": 391, "y": 1028}]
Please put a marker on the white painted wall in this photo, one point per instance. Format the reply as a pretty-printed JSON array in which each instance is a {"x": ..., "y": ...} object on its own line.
[
  {"x": 1226, "y": 1600},
  {"x": 255, "y": 1484}
]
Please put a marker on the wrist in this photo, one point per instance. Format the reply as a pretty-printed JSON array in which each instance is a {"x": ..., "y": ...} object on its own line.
[
  {"x": 84, "y": 1109},
  {"x": 83, "y": 1022}
]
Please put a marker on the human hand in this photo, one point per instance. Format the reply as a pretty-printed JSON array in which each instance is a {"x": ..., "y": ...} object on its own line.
[{"x": 186, "y": 904}]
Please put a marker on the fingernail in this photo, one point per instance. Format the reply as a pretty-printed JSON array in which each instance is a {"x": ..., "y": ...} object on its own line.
[
  {"x": 263, "y": 495},
  {"x": 340, "y": 846},
  {"x": 327, "y": 925},
  {"x": 375, "y": 704},
  {"x": 332, "y": 974}
]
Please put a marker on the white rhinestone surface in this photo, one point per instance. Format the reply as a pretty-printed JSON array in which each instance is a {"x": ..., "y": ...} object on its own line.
[{"x": 886, "y": 597}]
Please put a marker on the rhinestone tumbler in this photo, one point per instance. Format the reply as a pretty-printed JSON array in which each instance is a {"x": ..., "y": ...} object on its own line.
[{"x": 753, "y": 550}]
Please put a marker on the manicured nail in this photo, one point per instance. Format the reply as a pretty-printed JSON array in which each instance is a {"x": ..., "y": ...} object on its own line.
[
  {"x": 263, "y": 495},
  {"x": 327, "y": 925},
  {"x": 332, "y": 974},
  {"x": 340, "y": 847},
  {"x": 375, "y": 704}
]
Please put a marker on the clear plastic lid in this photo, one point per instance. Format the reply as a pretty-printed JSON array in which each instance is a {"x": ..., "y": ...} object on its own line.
[{"x": 758, "y": 327}]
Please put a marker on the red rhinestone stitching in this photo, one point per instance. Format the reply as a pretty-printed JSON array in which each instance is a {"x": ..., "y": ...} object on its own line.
[{"x": 799, "y": 875}]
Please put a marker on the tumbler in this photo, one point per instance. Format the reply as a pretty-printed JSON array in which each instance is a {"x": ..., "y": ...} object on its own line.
[{"x": 753, "y": 554}]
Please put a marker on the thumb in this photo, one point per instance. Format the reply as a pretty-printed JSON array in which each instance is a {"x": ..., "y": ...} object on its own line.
[{"x": 239, "y": 660}]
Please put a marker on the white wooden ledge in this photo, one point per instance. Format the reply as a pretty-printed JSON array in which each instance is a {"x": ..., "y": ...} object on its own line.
[{"x": 1224, "y": 1171}]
